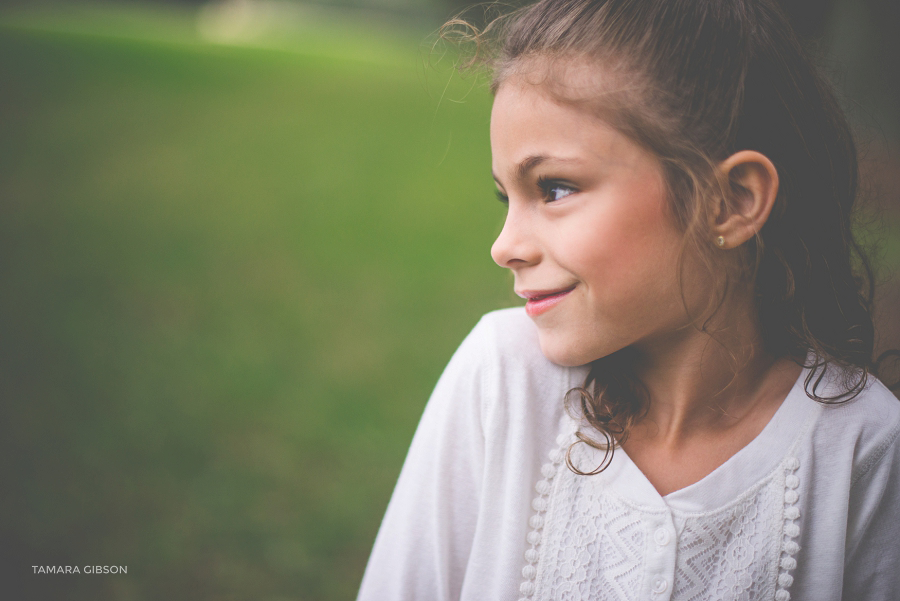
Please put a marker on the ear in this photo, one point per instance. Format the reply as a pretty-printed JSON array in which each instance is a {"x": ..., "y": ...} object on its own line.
[{"x": 752, "y": 182}]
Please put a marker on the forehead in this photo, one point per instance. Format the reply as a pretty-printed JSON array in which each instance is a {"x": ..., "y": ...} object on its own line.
[
  {"x": 574, "y": 79},
  {"x": 523, "y": 110},
  {"x": 529, "y": 119},
  {"x": 574, "y": 88}
]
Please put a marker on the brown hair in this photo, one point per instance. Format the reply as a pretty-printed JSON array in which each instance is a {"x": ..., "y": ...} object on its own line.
[{"x": 698, "y": 80}]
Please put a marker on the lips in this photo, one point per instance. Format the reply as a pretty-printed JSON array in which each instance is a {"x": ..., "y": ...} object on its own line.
[{"x": 541, "y": 301}]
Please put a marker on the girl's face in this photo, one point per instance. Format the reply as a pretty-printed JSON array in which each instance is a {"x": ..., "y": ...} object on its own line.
[{"x": 589, "y": 235}]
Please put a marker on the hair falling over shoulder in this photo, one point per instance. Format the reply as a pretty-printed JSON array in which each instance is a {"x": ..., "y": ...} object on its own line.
[{"x": 705, "y": 79}]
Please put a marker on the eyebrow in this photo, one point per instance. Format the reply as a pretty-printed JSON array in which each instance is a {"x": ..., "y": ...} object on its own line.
[{"x": 529, "y": 163}]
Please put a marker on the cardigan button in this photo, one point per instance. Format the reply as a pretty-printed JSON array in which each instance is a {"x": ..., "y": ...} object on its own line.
[
  {"x": 660, "y": 585},
  {"x": 661, "y": 537}
]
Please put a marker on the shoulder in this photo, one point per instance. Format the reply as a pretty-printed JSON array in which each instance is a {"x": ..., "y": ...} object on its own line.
[
  {"x": 868, "y": 425},
  {"x": 879, "y": 431},
  {"x": 503, "y": 353},
  {"x": 503, "y": 339},
  {"x": 508, "y": 340},
  {"x": 507, "y": 331}
]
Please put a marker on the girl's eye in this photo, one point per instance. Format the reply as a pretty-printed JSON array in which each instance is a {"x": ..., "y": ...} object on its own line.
[
  {"x": 502, "y": 197},
  {"x": 554, "y": 190},
  {"x": 559, "y": 192}
]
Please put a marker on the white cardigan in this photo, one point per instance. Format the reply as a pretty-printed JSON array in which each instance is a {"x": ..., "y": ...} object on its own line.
[{"x": 485, "y": 508}]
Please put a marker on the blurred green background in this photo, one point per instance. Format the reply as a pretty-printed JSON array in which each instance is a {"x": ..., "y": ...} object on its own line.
[{"x": 238, "y": 243}]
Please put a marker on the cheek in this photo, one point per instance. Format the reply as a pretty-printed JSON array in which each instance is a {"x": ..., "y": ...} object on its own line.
[{"x": 626, "y": 246}]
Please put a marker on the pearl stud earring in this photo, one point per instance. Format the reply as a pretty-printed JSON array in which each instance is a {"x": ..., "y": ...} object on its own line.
[{"x": 720, "y": 241}]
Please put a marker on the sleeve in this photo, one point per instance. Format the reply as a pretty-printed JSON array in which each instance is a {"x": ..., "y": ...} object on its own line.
[
  {"x": 872, "y": 562},
  {"x": 424, "y": 542}
]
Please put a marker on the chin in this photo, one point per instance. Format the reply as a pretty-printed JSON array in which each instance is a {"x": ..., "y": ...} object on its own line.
[{"x": 564, "y": 352}]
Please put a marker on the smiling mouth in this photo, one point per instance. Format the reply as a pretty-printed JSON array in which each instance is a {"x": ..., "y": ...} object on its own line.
[{"x": 540, "y": 301}]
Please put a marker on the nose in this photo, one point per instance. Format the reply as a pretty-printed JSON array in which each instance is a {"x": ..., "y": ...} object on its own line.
[{"x": 515, "y": 246}]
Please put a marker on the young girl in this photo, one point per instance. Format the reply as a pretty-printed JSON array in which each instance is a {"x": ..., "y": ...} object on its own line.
[{"x": 686, "y": 406}]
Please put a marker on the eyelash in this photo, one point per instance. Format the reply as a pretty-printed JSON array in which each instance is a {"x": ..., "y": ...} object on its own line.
[{"x": 546, "y": 186}]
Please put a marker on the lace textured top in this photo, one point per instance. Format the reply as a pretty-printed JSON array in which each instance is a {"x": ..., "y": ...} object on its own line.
[{"x": 589, "y": 543}]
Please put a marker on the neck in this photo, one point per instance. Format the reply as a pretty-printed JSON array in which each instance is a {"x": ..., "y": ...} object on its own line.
[{"x": 700, "y": 384}]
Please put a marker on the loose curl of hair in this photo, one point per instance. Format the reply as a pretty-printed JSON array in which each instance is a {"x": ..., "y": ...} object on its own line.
[{"x": 694, "y": 82}]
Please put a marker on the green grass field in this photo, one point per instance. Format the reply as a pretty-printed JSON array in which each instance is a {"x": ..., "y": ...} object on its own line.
[{"x": 230, "y": 278}]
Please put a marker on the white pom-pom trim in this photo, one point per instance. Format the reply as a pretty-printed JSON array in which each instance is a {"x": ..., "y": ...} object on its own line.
[
  {"x": 791, "y": 529},
  {"x": 789, "y": 563},
  {"x": 536, "y": 521}
]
